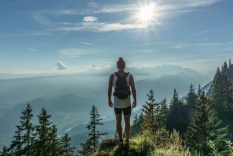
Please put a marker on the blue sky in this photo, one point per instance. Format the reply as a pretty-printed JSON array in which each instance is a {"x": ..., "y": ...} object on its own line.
[{"x": 57, "y": 36}]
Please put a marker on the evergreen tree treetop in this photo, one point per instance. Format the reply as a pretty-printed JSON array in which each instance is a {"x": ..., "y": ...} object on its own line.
[
  {"x": 66, "y": 148},
  {"x": 222, "y": 96},
  {"x": 92, "y": 143},
  {"x": 224, "y": 68},
  {"x": 149, "y": 111},
  {"x": 175, "y": 97}
]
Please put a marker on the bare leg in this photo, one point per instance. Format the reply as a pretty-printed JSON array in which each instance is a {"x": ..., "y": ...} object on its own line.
[
  {"x": 118, "y": 125},
  {"x": 127, "y": 127}
]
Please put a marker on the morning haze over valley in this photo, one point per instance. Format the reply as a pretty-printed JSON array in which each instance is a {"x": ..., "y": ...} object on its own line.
[{"x": 56, "y": 58}]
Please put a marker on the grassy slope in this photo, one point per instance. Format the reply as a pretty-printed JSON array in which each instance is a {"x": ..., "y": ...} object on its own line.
[{"x": 138, "y": 147}]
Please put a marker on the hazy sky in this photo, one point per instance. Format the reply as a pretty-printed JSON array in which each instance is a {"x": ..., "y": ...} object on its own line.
[{"x": 74, "y": 35}]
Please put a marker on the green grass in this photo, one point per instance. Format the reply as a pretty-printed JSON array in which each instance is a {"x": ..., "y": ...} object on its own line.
[
  {"x": 139, "y": 146},
  {"x": 111, "y": 148}
]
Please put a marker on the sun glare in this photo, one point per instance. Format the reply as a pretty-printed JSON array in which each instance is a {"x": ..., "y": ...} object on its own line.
[{"x": 146, "y": 13}]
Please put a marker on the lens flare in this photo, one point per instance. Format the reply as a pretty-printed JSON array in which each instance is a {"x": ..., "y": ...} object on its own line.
[{"x": 146, "y": 13}]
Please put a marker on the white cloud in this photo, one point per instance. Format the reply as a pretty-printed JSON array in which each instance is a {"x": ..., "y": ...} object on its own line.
[
  {"x": 188, "y": 3},
  {"x": 90, "y": 19},
  {"x": 90, "y": 44},
  {"x": 201, "y": 3},
  {"x": 176, "y": 45},
  {"x": 204, "y": 44},
  {"x": 100, "y": 27},
  {"x": 111, "y": 8},
  {"x": 61, "y": 66},
  {"x": 164, "y": 8},
  {"x": 75, "y": 52},
  {"x": 102, "y": 66},
  {"x": 162, "y": 5}
]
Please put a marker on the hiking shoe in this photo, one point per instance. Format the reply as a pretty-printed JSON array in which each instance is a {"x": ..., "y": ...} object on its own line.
[{"x": 127, "y": 144}]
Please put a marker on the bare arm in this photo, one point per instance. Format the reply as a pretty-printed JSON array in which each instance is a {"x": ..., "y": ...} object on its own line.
[
  {"x": 110, "y": 84},
  {"x": 131, "y": 82}
]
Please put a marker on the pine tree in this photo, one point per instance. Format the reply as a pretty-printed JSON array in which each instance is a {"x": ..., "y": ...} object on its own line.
[
  {"x": 231, "y": 68},
  {"x": 175, "y": 98},
  {"x": 154, "y": 115},
  {"x": 217, "y": 94},
  {"x": 162, "y": 115},
  {"x": 54, "y": 145},
  {"x": 224, "y": 69},
  {"x": 222, "y": 96},
  {"x": 42, "y": 142},
  {"x": 190, "y": 102},
  {"x": 136, "y": 127},
  {"x": 92, "y": 143},
  {"x": 148, "y": 112},
  {"x": 175, "y": 119},
  {"x": 16, "y": 144},
  {"x": 228, "y": 89},
  {"x": 66, "y": 148},
  {"x": 191, "y": 97},
  {"x": 27, "y": 127},
  {"x": 21, "y": 145},
  {"x": 217, "y": 74},
  {"x": 199, "y": 91},
  {"x": 85, "y": 149},
  {"x": 205, "y": 127},
  {"x": 42, "y": 134}
]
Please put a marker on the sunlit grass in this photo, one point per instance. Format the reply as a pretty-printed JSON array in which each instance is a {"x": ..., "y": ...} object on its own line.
[{"x": 141, "y": 146}]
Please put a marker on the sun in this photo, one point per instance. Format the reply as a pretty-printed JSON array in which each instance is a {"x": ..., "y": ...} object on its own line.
[{"x": 146, "y": 13}]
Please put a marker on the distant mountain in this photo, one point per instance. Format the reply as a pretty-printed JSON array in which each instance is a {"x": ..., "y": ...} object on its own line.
[
  {"x": 14, "y": 91},
  {"x": 25, "y": 89},
  {"x": 154, "y": 72},
  {"x": 14, "y": 76},
  {"x": 163, "y": 86},
  {"x": 66, "y": 110},
  {"x": 68, "y": 98}
]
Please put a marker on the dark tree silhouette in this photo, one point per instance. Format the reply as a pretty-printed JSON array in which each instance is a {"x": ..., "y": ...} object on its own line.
[
  {"x": 54, "y": 144},
  {"x": 27, "y": 127},
  {"x": 22, "y": 143},
  {"x": 149, "y": 112},
  {"x": 205, "y": 127},
  {"x": 42, "y": 141},
  {"x": 92, "y": 143},
  {"x": 176, "y": 117},
  {"x": 66, "y": 148},
  {"x": 222, "y": 96},
  {"x": 136, "y": 127},
  {"x": 191, "y": 100},
  {"x": 39, "y": 140}
]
